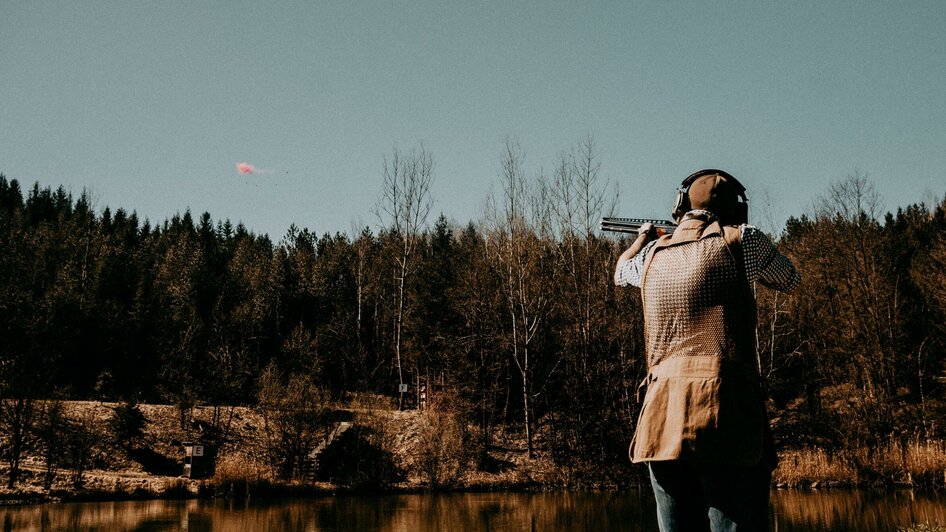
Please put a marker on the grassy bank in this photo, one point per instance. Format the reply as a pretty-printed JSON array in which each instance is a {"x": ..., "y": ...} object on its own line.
[{"x": 913, "y": 463}]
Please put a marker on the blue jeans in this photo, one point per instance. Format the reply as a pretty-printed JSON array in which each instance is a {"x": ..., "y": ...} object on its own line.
[{"x": 695, "y": 497}]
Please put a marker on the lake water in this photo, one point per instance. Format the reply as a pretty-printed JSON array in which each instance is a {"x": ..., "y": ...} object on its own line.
[{"x": 791, "y": 510}]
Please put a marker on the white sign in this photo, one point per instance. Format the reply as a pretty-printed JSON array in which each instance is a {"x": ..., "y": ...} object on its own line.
[
  {"x": 402, "y": 388},
  {"x": 198, "y": 450}
]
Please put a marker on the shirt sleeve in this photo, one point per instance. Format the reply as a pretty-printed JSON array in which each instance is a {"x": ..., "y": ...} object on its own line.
[
  {"x": 765, "y": 264},
  {"x": 629, "y": 274}
]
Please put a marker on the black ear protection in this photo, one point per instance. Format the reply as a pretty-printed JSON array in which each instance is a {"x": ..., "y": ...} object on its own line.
[{"x": 682, "y": 204}]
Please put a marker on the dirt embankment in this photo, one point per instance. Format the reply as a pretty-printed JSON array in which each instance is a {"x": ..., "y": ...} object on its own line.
[{"x": 152, "y": 465}]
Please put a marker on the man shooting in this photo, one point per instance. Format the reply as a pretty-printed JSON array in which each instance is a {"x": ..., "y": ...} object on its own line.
[{"x": 702, "y": 430}]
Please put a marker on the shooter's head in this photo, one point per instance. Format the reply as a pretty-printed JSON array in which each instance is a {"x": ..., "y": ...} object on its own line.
[{"x": 714, "y": 191}]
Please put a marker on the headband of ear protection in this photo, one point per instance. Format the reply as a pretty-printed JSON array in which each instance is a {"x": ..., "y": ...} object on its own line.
[{"x": 682, "y": 204}]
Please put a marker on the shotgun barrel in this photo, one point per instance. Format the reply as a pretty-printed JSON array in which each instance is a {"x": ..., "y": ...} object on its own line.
[{"x": 631, "y": 225}]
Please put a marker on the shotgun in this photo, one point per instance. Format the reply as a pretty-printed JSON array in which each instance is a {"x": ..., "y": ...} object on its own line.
[{"x": 631, "y": 225}]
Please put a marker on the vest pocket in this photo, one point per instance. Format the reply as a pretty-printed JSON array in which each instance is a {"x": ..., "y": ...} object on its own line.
[{"x": 702, "y": 418}]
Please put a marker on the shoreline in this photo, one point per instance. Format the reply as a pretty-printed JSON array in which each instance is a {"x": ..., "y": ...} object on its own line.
[{"x": 178, "y": 488}]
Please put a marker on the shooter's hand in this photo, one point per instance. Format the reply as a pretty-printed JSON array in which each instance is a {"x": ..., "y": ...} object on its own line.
[{"x": 649, "y": 230}]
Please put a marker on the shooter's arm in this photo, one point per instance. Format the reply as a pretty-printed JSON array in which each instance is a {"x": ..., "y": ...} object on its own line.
[{"x": 647, "y": 232}]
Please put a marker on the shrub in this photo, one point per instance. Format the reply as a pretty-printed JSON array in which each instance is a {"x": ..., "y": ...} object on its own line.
[
  {"x": 294, "y": 416},
  {"x": 127, "y": 424},
  {"x": 51, "y": 432},
  {"x": 236, "y": 476},
  {"x": 81, "y": 438},
  {"x": 441, "y": 450}
]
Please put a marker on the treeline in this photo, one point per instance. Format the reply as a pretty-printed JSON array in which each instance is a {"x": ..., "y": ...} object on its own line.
[
  {"x": 515, "y": 314},
  {"x": 857, "y": 354}
]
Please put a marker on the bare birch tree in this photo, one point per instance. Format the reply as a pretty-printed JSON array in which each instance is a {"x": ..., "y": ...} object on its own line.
[
  {"x": 519, "y": 220},
  {"x": 404, "y": 205},
  {"x": 865, "y": 305},
  {"x": 578, "y": 198}
]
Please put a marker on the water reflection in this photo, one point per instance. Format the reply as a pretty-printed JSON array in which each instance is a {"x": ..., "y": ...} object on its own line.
[
  {"x": 492, "y": 511},
  {"x": 830, "y": 510},
  {"x": 856, "y": 510}
]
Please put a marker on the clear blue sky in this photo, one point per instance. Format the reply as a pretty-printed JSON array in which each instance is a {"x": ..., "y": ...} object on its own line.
[{"x": 151, "y": 104}]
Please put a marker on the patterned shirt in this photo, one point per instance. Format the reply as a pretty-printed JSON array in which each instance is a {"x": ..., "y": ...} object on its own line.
[{"x": 763, "y": 263}]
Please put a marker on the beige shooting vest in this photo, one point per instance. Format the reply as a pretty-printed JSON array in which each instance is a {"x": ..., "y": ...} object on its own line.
[{"x": 703, "y": 400}]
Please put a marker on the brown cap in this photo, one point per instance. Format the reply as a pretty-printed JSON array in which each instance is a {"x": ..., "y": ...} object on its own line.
[{"x": 714, "y": 193}]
